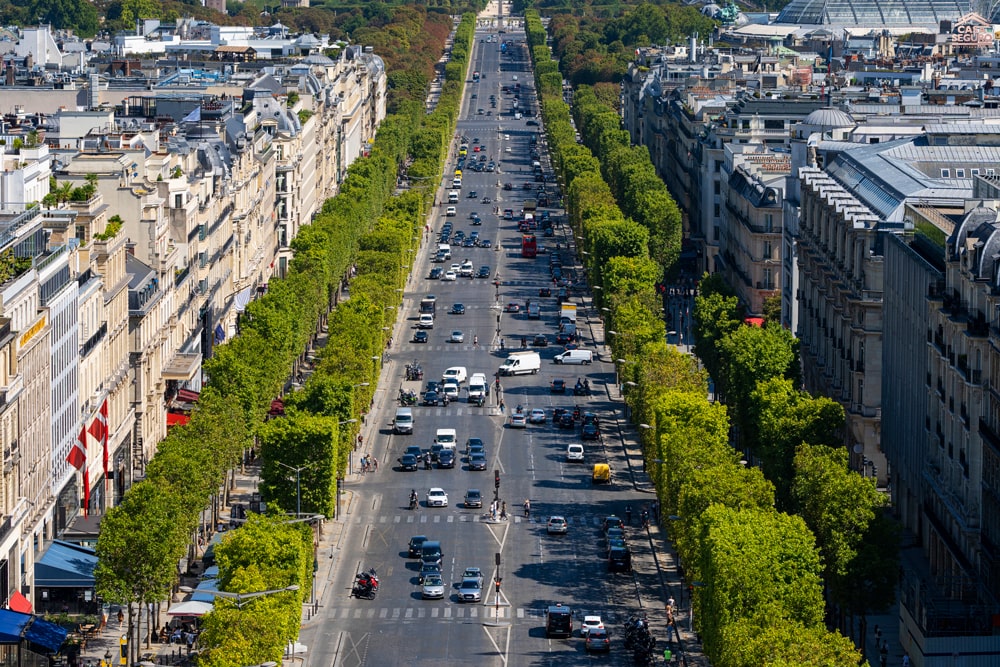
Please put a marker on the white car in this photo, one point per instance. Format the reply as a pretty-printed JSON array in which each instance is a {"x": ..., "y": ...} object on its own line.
[
  {"x": 518, "y": 420},
  {"x": 574, "y": 453},
  {"x": 536, "y": 416},
  {"x": 556, "y": 526},
  {"x": 451, "y": 211},
  {"x": 470, "y": 590},
  {"x": 450, "y": 389},
  {"x": 590, "y": 623},
  {"x": 466, "y": 269},
  {"x": 437, "y": 498},
  {"x": 449, "y": 275},
  {"x": 457, "y": 337}
]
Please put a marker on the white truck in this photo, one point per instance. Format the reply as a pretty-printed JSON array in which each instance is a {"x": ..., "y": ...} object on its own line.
[
  {"x": 521, "y": 363},
  {"x": 567, "y": 318},
  {"x": 478, "y": 387}
]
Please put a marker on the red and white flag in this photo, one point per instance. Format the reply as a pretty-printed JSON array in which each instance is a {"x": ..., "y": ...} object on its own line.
[
  {"x": 78, "y": 459},
  {"x": 99, "y": 429}
]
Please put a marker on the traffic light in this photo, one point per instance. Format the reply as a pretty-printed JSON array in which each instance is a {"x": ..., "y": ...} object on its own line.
[
  {"x": 496, "y": 479},
  {"x": 496, "y": 582}
]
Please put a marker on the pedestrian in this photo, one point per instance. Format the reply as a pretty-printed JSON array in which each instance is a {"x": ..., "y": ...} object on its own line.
[
  {"x": 906, "y": 660},
  {"x": 503, "y": 511},
  {"x": 501, "y": 343},
  {"x": 121, "y": 619},
  {"x": 878, "y": 635},
  {"x": 475, "y": 342},
  {"x": 628, "y": 515},
  {"x": 375, "y": 463},
  {"x": 502, "y": 407}
]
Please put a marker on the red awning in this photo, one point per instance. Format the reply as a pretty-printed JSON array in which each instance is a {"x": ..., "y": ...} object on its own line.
[
  {"x": 755, "y": 321},
  {"x": 176, "y": 419},
  {"x": 188, "y": 396},
  {"x": 19, "y": 603}
]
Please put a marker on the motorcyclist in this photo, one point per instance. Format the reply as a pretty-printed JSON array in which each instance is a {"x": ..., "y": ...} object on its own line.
[
  {"x": 527, "y": 508},
  {"x": 413, "y": 498},
  {"x": 427, "y": 461}
]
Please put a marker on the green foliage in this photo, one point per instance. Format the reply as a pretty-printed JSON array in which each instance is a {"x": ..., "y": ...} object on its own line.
[
  {"x": 77, "y": 15},
  {"x": 716, "y": 316},
  {"x": 11, "y": 266},
  {"x": 114, "y": 226},
  {"x": 786, "y": 418},
  {"x": 305, "y": 442},
  {"x": 785, "y": 644}
]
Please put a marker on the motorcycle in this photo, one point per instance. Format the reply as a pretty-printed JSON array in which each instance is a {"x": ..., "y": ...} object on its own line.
[
  {"x": 581, "y": 388},
  {"x": 366, "y": 585},
  {"x": 487, "y": 200},
  {"x": 413, "y": 502},
  {"x": 407, "y": 397},
  {"x": 427, "y": 461},
  {"x": 414, "y": 372},
  {"x": 480, "y": 400}
]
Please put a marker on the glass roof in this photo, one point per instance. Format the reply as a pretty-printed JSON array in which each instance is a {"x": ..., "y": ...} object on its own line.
[{"x": 871, "y": 13}]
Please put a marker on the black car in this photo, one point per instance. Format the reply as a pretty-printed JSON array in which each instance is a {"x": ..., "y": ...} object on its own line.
[
  {"x": 563, "y": 337},
  {"x": 539, "y": 341},
  {"x": 591, "y": 418},
  {"x": 446, "y": 458},
  {"x": 486, "y": 243},
  {"x": 416, "y": 542},
  {"x": 408, "y": 462},
  {"x": 432, "y": 398},
  {"x": 420, "y": 337},
  {"x": 590, "y": 432},
  {"x": 557, "y": 414},
  {"x": 472, "y": 195},
  {"x": 484, "y": 272},
  {"x": 458, "y": 309},
  {"x": 557, "y": 386},
  {"x": 566, "y": 421},
  {"x": 469, "y": 243},
  {"x": 436, "y": 273},
  {"x": 619, "y": 560}
]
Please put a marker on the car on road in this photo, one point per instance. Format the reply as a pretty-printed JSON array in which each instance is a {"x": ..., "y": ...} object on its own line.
[
  {"x": 557, "y": 386},
  {"x": 474, "y": 573},
  {"x": 472, "y": 195},
  {"x": 613, "y": 521},
  {"x": 473, "y": 498},
  {"x": 532, "y": 123},
  {"x": 435, "y": 273},
  {"x": 574, "y": 453},
  {"x": 486, "y": 243},
  {"x": 512, "y": 308},
  {"x": 472, "y": 443},
  {"x": 433, "y": 587},
  {"x": 536, "y": 416},
  {"x": 428, "y": 569},
  {"x": 458, "y": 309},
  {"x": 436, "y": 497},
  {"x": 590, "y": 432},
  {"x": 518, "y": 420},
  {"x": 451, "y": 211},
  {"x": 449, "y": 276},
  {"x": 446, "y": 458},
  {"x": 566, "y": 421},
  {"x": 619, "y": 559},
  {"x": 415, "y": 450},
  {"x": 557, "y": 525},
  {"x": 456, "y": 337},
  {"x": 450, "y": 389},
  {"x": 590, "y": 623},
  {"x": 470, "y": 590},
  {"x": 477, "y": 462},
  {"x": 408, "y": 463},
  {"x": 468, "y": 243},
  {"x": 484, "y": 271},
  {"x": 416, "y": 542},
  {"x": 539, "y": 340},
  {"x": 598, "y": 640},
  {"x": 419, "y": 336}
]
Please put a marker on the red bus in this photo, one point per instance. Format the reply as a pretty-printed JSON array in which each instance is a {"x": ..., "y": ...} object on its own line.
[{"x": 529, "y": 246}]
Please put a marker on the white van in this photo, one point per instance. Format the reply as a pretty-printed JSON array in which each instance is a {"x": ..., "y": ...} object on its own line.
[
  {"x": 453, "y": 197},
  {"x": 451, "y": 212},
  {"x": 403, "y": 422},
  {"x": 447, "y": 438},
  {"x": 480, "y": 378},
  {"x": 426, "y": 321},
  {"x": 574, "y": 453},
  {"x": 444, "y": 250},
  {"x": 456, "y": 182},
  {"x": 456, "y": 373},
  {"x": 575, "y": 357},
  {"x": 521, "y": 363}
]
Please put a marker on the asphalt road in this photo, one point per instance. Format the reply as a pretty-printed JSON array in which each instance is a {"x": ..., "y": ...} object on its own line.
[{"x": 537, "y": 570}]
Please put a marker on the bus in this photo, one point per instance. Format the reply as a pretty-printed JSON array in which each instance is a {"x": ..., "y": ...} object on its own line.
[{"x": 529, "y": 246}]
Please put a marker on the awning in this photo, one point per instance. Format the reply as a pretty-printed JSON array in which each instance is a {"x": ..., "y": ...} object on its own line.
[
  {"x": 66, "y": 565},
  {"x": 188, "y": 396},
  {"x": 242, "y": 299},
  {"x": 175, "y": 419},
  {"x": 42, "y": 636},
  {"x": 45, "y": 637},
  {"x": 19, "y": 603},
  {"x": 182, "y": 367},
  {"x": 190, "y": 608},
  {"x": 200, "y": 594}
]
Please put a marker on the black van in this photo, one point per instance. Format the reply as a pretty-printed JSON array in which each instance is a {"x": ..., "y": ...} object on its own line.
[
  {"x": 430, "y": 552},
  {"x": 619, "y": 560},
  {"x": 558, "y": 621}
]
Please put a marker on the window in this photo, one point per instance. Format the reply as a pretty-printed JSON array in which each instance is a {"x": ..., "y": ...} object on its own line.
[
  {"x": 768, "y": 222},
  {"x": 959, "y": 173},
  {"x": 718, "y": 187},
  {"x": 990, "y": 172},
  {"x": 768, "y": 254},
  {"x": 946, "y": 173},
  {"x": 768, "y": 279},
  {"x": 975, "y": 172},
  {"x": 715, "y": 210}
]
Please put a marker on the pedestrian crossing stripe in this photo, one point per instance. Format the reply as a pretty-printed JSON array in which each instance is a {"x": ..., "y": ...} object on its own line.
[
  {"x": 441, "y": 515},
  {"x": 447, "y": 611}
]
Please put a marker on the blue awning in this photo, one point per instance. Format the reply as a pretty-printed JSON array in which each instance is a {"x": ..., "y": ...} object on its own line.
[
  {"x": 243, "y": 299},
  {"x": 45, "y": 637},
  {"x": 42, "y": 636},
  {"x": 200, "y": 594},
  {"x": 66, "y": 565},
  {"x": 12, "y": 625}
]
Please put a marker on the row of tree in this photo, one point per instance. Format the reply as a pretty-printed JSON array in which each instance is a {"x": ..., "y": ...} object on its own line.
[
  {"x": 758, "y": 575},
  {"x": 366, "y": 228}
]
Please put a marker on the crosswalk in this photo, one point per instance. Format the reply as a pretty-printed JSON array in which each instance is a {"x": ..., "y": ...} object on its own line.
[
  {"x": 444, "y": 610},
  {"x": 458, "y": 514}
]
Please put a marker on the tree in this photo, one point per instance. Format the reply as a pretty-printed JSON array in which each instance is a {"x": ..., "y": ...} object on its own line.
[
  {"x": 137, "y": 549},
  {"x": 299, "y": 441},
  {"x": 772, "y": 308},
  {"x": 785, "y": 644},
  {"x": 716, "y": 315},
  {"x": 785, "y": 418}
]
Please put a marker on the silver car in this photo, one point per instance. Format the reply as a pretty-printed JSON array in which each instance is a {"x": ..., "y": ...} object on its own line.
[
  {"x": 433, "y": 587},
  {"x": 470, "y": 590}
]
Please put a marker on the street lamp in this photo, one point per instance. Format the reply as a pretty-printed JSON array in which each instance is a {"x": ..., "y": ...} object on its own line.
[
  {"x": 241, "y": 599},
  {"x": 298, "y": 487}
]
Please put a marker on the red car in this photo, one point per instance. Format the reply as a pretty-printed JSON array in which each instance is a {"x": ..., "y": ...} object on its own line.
[{"x": 512, "y": 308}]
